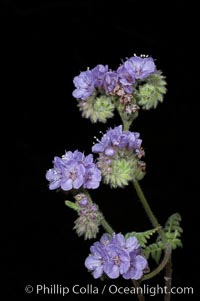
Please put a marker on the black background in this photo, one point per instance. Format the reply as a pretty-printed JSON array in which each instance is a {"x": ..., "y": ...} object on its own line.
[{"x": 47, "y": 43}]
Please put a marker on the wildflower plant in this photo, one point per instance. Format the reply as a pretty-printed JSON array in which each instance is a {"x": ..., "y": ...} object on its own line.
[{"x": 135, "y": 86}]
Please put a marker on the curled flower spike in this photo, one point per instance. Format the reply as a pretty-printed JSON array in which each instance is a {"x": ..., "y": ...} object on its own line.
[
  {"x": 119, "y": 157},
  {"x": 89, "y": 219}
]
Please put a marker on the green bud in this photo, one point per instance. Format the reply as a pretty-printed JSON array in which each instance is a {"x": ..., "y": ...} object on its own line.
[
  {"x": 151, "y": 93},
  {"x": 97, "y": 108}
]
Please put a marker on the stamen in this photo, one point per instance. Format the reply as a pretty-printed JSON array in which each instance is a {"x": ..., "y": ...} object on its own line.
[{"x": 97, "y": 139}]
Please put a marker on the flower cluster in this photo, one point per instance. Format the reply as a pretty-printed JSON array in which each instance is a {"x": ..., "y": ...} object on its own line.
[
  {"x": 134, "y": 68},
  {"x": 115, "y": 139},
  {"x": 135, "y": 85},
  {"x": 89, "y": 219},
  {"x": 114, "y": 255},
  {"x": 100, "y": 90},
  {"x": 119, "y": 156},
  {"x": 72, "y": 171}
]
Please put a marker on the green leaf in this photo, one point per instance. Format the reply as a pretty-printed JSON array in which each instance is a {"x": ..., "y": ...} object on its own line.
[
  {"x": 142, "y": 237},
  {"x": 72, "y": 205},
  {"x": 173, "y": 224},
  {"x": 173, "y": 233},
  {"x": 155, "y": 250},
  {"x": 173, "y": 230}
]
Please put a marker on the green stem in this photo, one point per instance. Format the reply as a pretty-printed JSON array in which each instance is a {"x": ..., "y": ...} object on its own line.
[
  {"x": 161, "y": 265},
  {"x": 139, "y": 292},
  {"x": 167, "y": 258},
  {"x": 148, "y": 210},
  {"x": 106, "y": 226},
  {"x": 168, "y": 279},
  {"x": 126, "y": 126},
  {"x": 142, "y": 197},
  {"x": 126, "y": 123}
]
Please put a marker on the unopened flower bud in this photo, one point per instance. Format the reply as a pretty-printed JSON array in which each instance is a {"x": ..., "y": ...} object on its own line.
[{"x": 88, "y": 222}]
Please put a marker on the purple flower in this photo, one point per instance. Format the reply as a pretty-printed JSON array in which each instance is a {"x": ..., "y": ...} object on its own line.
[
  {"x": 87, "y": 81},
  {"x": 115, "y": 139},
  {"x": 118, "y": 82},
  {"x": 138, "y": 264},
  {"x": 110, "y": 81},
  {"x": 95, "y": 262},
  {"x": 99, "y": 73},
  {"x": 142, "y": 66},
  {"x": 107, "y": 257},
  {"x": 118, "y": 263},
  {"x": 130, "y": 244},
  {"x": 88, "y": 160},
  {"x": 109, "y": 151},
  {"x": 78, "y": 156},
  {"x": 92, "y": 177},
  {"x": 54, "y": 175},
  {"x": 109, "y": 140},
  {"x": 126, "y": 76},
  {"x": 133, "y": 140},
  {"x": 84, "y": 84},
  {"x": 115, "y": 256},
  {"x": 74, "y": 170},
  {"x": 105, "y": 239},
  {"x": 72, "y": 176}
]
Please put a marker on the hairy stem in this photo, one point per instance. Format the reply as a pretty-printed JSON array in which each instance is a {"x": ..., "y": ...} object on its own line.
[
  {"x": 167, "y": 258},
  {"x": 168, "y": 279},
  {"x": 139, "y": 292},
  {"x": 106, "y": 226},
  {"x": 155, "y": 223},
  {"x": 161, "y": 265},
  {"x": 126, "y": 123},
  {"x": 148, "y": 210}
]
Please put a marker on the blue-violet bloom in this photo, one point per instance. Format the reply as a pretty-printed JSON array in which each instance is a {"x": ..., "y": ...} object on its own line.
[
  {"x": 115, "y": 256},
  {"x": 74, "y": 170},
  {"x": 142, "y": 66},
  {"x": 115, "y": 139},
  {"x": 84, "y": 84}
]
